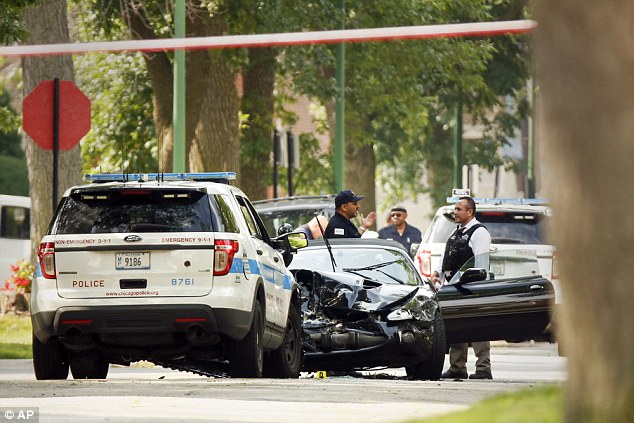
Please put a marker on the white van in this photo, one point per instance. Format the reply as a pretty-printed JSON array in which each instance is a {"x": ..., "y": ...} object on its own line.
[{"x": 15, "y": 234}]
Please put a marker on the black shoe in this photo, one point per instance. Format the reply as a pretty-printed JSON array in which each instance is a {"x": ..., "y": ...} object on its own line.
[
  {"x": 481, "y": 374},
  {"x": 454, "y": 375}
]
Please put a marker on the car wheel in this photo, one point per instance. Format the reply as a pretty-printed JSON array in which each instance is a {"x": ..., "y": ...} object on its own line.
[
  {"x": 50, "y": 360},
  {"x": 95, "y": 368},
  {"x": 286, "y": 361},
  {"x": 431, "y": 368},
  {"x": 247, "y": 356}
]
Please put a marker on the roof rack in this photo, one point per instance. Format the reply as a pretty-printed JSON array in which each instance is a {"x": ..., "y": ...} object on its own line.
[
  {"x": 519, "y": 201},
  {"x": 99, "y": 178}
]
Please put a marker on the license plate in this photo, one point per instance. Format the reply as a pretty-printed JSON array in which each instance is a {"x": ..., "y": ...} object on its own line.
[
  {"x": 132, "y": 261},
  {"x": 497, "y": 268}
]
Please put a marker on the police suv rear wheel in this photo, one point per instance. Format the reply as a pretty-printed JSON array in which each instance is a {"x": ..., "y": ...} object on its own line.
[
  {"x": 50, "y": 360},
  {"x": 247, "y": 356}
]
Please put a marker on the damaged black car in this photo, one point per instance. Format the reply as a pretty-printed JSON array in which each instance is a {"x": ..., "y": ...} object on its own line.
[{"x": 364, "y": 306}]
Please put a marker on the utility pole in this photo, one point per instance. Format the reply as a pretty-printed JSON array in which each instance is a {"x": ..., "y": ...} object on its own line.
[
  {"x": 457, "y": 146},
  {"x": 339, "y": 149},
  {"x": 531, "y": 185},
  {"x": 178, "y": 117}
]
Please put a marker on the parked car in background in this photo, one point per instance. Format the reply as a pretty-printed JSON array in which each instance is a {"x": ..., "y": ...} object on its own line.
[
  {"x": 512, "y": 223},
  {"x": 15, "y": 232},
  {"x": 364, "y": 305},
  {"x": 176, "y": 269},
  {"x": 295, "y": 211}
]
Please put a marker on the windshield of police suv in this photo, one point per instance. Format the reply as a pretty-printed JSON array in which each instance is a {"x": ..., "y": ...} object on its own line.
[
  {"x": 379, "y": 264},
  {"x": 505, "y": 227},
  {"x": 122, "y": 211}
]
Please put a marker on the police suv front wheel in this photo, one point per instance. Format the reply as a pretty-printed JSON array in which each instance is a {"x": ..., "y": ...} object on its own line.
[{"x": 286, "y": 361}]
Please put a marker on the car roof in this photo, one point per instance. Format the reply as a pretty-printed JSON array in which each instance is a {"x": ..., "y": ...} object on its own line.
[
  {"x": 296, "y": 202},
  {"x": 356, "y": 242},
  {"x": 510, "y": 207},
  {"x": 187, "y": 184}
]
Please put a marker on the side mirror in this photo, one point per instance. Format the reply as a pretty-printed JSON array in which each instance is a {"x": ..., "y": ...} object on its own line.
[
  {"x": 290, "y": 242},
  {"x": 473, "y": 275},
  {"x": 297, "y": 240},
  {"x": 287, "y": 244},
  {"x": 413, "y": 249}
]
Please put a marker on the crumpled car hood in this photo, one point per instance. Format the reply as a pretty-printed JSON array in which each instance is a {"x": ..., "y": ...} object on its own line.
[{"x": 342, "y": 291}]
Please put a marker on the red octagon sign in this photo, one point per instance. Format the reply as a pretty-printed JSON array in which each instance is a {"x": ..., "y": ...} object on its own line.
[{"x": 74, "y": 114}]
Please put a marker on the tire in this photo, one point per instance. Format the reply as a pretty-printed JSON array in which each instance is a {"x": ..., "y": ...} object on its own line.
[
  {"x": 431, "y": 368},
  {"x": 247, "y": 356},
  {"x": 50, "y": 360},
  {"x": 95, "y": 368},
  {"x": 286, "y": 361}
]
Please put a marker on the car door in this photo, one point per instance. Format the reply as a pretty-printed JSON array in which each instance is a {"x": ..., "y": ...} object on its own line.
[
  {"x": 513, "y": 303},
  {"x": 270, "y": 262}
]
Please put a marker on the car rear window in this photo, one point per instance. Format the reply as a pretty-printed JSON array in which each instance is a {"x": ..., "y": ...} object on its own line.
[
  {"x": 505, "y": 227},
  {"x": 134, "y": 210}
]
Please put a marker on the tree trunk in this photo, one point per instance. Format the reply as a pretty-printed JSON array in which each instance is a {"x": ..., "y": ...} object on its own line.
[
  {"x": 47, "y": 23},
  {"x": 212, "y": 105},
  {"x": 585, "y": 74},
  {"x": 257, "y": 103},
  {"x": 360, "y": 175}
]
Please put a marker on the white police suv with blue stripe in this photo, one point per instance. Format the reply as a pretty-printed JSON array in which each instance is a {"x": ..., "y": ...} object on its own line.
[{"x": 176, "y": 269}]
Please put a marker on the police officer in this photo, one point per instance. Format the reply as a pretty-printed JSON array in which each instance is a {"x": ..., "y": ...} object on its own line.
[
  {"x": 400, "y": 230},
  {"x": 347, "y": 207},
  {"x": 468, "y": 240}
]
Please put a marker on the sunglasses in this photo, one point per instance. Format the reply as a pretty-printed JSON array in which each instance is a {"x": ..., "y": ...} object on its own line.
[{"x": 397, "y": 214}]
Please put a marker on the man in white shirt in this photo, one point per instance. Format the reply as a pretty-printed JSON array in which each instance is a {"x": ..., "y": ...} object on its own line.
[{"x": 470, "y": 239}]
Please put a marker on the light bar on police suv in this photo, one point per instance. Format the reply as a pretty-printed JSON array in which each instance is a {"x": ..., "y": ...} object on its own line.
[{"x": 224, "y": 177}]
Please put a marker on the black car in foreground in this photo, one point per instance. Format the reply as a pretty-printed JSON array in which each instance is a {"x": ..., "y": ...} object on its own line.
[{"x": 364, "y": 305}]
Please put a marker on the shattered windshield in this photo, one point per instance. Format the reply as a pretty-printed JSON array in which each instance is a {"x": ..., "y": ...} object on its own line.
[{"x": 379, "y": 264}]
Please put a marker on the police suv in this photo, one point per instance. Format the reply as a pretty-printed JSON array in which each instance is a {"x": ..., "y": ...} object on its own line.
[
  {"x": 176, "y": 269},
  {"x": 513, "y": 224}
]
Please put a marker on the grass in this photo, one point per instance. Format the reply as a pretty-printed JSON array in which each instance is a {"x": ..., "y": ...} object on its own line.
[
  {"x": 543, "y": 404},
  {"x": 15, "y": 336}
]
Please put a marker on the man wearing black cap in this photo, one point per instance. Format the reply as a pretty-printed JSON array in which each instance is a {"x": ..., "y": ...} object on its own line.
[
  {"x": 347, "y": 207},
  {"x": 400, "y": 230}
]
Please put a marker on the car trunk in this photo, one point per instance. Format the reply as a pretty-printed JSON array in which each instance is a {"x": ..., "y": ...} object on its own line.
[{"x": 154, "y": 264}]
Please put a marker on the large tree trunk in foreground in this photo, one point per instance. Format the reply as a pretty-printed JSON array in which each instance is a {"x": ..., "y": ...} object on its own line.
[
  {"x": 585, "y": 74},
  {"x": 47, "y": 23}
]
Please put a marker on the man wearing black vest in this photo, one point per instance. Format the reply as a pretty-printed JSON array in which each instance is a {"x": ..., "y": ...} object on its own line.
[{"x": 468, "y": 240}]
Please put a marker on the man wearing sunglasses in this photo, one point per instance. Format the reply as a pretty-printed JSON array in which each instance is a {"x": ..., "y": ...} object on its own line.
[{"x": 400, "y": 230}]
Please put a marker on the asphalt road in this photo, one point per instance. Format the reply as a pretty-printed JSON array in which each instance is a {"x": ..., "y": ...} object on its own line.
[{"x": 155, "y": 394}]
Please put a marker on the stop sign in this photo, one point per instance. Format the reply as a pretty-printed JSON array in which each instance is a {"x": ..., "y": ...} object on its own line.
[{"x": 38, "y": 112}]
